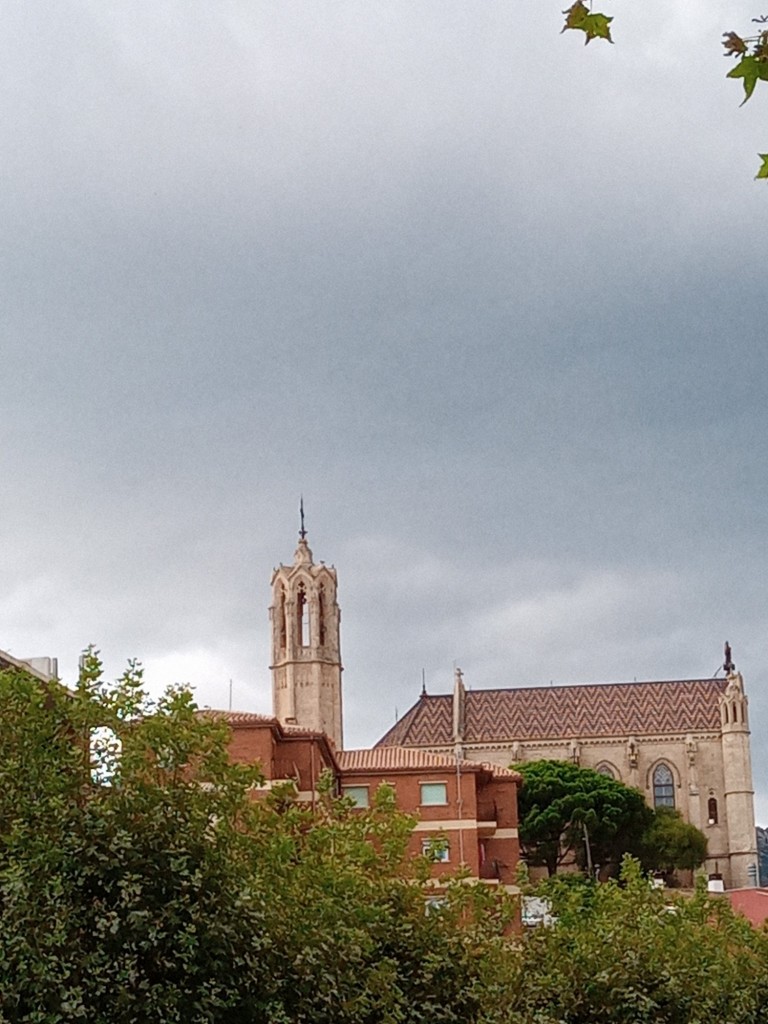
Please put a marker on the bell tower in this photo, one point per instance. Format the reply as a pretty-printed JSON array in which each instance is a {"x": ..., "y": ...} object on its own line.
[
  {"x": 306, "y": 651},
  {"x": 737, "y": 774}
]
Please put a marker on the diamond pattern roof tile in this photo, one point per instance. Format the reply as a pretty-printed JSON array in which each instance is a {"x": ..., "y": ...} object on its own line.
[{"x": 556, "y": 712}]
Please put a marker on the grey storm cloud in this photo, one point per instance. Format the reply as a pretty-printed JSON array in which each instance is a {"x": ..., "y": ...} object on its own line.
[{"x": 492, "y": 301}]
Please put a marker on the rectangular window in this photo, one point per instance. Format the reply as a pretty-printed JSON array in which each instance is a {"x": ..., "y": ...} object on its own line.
[
  {"x": 436, "y": 849},
  {"x": 359, "y": 794},
  {"x": 433, "y": 794}
]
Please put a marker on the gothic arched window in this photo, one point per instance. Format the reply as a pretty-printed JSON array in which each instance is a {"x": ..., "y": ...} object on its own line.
[
  {"x": 302, "y": 616},
  {"x": 282, "y": 631},
  {"x": 321, "y": 616},
  {"x": 663, "y": 786},
  {"x": 712, "y": 811},
  {"x": 606, "y": 769}
]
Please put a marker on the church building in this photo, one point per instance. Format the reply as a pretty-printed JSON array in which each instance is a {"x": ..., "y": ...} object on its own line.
[{"x": 682, "y": 743}]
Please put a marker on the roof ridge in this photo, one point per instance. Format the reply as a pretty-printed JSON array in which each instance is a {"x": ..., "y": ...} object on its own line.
[
  {"x": 395, "y": 756},
  {"x": 576, "y": 686}
]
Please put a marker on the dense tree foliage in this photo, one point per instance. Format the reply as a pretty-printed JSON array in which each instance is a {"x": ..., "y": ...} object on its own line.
[
  {"x": 140, "y": 880},
  {"x": 619, "y": 953},
  {"x": 570, "y": 813},
  {"x": 671, "y": 843}
]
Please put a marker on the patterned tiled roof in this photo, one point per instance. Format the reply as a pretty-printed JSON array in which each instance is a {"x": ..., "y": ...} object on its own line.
[
  {"x": 390, "y": 758},
  {"x": 564, "y": 712}
]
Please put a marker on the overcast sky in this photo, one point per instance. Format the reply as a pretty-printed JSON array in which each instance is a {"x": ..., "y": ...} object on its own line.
[{"x": 495, "y": 302}]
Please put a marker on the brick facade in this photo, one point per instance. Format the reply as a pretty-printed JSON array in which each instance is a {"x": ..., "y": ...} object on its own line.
[{"x": 476, "y": 820}]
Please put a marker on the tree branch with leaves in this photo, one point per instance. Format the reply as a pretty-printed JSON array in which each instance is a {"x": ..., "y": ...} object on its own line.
[{"x": 750, "y": 50}]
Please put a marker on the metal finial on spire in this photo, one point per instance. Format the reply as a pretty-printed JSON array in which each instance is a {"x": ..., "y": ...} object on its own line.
[
  {"x": 302, "y": 531},
  {"x": 728, "y": 665}
]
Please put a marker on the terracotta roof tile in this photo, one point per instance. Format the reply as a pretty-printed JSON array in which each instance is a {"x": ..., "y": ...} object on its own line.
[
  {"x": 253, "y": 718},
  {"x": 391, "y": 758},
  {"x": 752, "y": 903},
  {"x": 555, "y": 712},
  {"x": 237, "y": 717}
]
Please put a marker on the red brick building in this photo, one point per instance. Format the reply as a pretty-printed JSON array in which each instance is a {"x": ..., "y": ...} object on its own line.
[{"x": 466, "y": 811}]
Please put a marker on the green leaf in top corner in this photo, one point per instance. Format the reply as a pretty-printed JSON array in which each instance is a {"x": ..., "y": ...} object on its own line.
[
  {"x": 749, "y": 69},
  {"x": 763, "y": 172},
  {"x": 597, "y": 26},
  {"x": 594, "y": 26},
  {"x": 575, "y": 15}
]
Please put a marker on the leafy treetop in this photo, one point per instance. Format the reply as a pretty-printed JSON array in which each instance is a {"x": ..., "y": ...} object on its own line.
[
  {"x": 671, "y": 843},
  {"x": 626, "y": 953},
  {"x": 141, "y": 879},
  {"x": 564, "y": 809},
  {"x": 157, "y": 888}
]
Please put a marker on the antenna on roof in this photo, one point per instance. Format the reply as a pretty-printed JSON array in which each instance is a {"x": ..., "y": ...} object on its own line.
[
  {"x": 423, "y": 683},
  {"x": 302, "y": 531},
  {"x": 397, "y": 716}
]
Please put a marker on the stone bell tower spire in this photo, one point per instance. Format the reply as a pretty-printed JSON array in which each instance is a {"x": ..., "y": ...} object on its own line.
[{"x": 306, "y": 651}]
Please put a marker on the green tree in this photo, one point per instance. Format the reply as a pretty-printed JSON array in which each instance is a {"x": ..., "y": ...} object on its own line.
[
  {"x": 141, "y": 881},
  {"x": 622, "y": 953},
  {"x": 671, "y": 843},
  {"x": 567, "y": 813}
]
